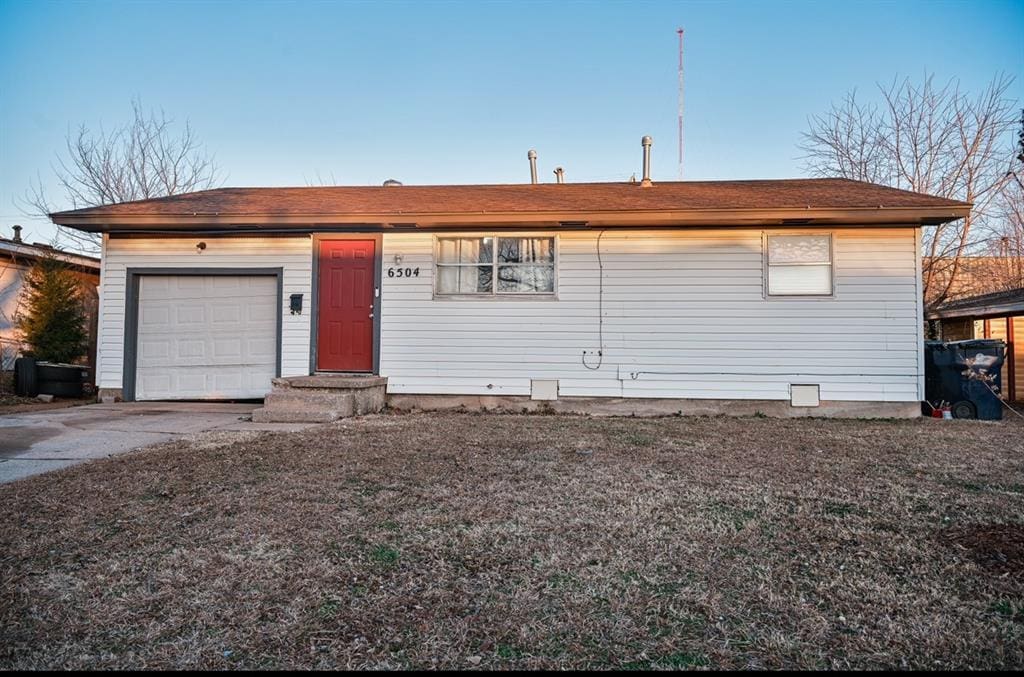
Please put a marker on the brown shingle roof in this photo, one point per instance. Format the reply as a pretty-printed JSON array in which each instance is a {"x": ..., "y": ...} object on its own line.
[
  {"x": 1006, "y": 302},
  {"x": 787, "y": 193},
  {"x": 35, "y": 251},
  {"x": 406, "y": 203}
]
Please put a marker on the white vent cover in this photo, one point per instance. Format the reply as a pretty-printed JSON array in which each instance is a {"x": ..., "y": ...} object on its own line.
[
  {"x": 804, "y": 396},
  {"x": 543, "y": 390}
]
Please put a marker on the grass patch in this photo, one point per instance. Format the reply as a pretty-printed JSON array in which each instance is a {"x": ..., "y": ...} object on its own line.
[
  {"x": 1009, "y": 610},
  {"x": 385, "y": 555},
  {"x": 329, "y": 608},
  {"x": 455, "y": 541},
  {"x": 840, "y": 509}
]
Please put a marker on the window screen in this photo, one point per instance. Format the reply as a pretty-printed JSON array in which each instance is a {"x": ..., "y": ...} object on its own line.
[
  {"x": 496, "y": 265},
  {"x": 799, "y": 265}
]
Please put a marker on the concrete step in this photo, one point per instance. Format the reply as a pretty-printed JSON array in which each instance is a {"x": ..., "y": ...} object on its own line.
[
  {"x": 297, "y": 399},
  {"x": 331, "y": 382},
  {"x": 315, "y": 405},
  {"x": 322, "y": 398},
  {"x": 265, "y": 415}
]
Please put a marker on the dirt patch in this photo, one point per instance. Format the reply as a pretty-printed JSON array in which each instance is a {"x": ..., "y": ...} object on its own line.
[
  {"x": 16, "y": 439},
  {"x": 453, "y": 541},
  {"x": 14, "y": 404},
  {"x": 999, "y": 547}
]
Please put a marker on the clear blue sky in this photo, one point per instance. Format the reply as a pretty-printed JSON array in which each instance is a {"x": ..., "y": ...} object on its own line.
[{"x": 451, "y": 92}]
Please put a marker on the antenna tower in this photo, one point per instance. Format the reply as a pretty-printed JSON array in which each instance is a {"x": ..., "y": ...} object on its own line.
[{"x": 680, "y": 32}]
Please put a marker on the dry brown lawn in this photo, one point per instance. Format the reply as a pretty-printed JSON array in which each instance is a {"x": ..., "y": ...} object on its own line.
[{"x": 508, "y": 541}]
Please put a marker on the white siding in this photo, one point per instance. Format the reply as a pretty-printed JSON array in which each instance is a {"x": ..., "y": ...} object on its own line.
[
  {"x": 684, "y": 316},
  {"x": 293, "y": 254}
]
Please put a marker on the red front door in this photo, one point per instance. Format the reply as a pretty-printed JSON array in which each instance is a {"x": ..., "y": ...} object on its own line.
[{"x": 345, "y": 320}]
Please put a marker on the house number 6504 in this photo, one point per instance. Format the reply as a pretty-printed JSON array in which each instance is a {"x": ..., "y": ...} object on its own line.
[{"x": 403, "y": 272}]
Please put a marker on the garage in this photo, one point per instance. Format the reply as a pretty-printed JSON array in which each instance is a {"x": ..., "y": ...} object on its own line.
[{"x": 206, "y": 336}]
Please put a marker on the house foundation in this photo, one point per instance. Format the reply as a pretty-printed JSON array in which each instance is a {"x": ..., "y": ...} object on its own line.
[{"x": 614, "y": 406}]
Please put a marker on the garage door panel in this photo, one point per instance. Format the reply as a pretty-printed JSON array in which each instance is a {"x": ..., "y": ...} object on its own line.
[
  {"x": 194, "y": 314},
  {"x": 206, "y": 337},
  {"x": 262, "y": 348},
  {"x": 226, "y": 313},
  {"x": 155, "y": 349},
  {"x": 194, "y": 349},
  {"x": 228, "y": 349},
  {"x": 261, "y": 314},
  {"x": 155, "y": 316},
  {"x": 151, "y": 381}
]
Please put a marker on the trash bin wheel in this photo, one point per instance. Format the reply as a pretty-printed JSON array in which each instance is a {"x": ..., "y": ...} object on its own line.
[{"x": 965, "y": 409}]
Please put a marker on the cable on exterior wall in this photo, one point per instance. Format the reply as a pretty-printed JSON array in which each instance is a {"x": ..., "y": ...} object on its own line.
[
  {"x": 634, "y": 375},
  {"x": 600, "y": 311}
]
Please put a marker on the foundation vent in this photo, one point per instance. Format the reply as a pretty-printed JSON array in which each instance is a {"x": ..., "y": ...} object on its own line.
[
  {"x": 543, "y": 389},
  {"x": 804, "y": 395}
]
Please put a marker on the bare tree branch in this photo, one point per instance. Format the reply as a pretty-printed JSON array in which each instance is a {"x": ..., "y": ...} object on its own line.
[
  {"x": 142, "y": 159},
  {"x": 931, "y": 139}
]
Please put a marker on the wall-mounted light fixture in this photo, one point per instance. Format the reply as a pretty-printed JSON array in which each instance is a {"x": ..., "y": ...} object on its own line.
[
  {"x": 295, "y": 304},
  {"x": 200, "y": 247},
  {"x": 398, "y": 259}
]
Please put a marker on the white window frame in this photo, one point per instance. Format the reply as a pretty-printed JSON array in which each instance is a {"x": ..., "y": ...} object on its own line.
[
  {"x": 494, "y": 293},
  {"x": 766, "y": 282}
]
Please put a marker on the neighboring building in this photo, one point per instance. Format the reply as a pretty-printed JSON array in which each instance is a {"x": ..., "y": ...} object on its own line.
[
  {"x": 683, "y": 296},
  {"x": 976, "y": 275},
  {"x": 999, "y": 315},
  {"x": 16, "y": 258}
]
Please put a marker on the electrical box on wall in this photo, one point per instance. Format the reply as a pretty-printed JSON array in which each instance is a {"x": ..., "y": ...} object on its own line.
[{"x": 804, "y": 395}]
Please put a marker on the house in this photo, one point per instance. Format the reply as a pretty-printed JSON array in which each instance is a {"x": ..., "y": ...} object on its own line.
[
  {"x": 999, "y": 315},
  {"x": 16, "y": 258},
  {"x": 976, "y": 275},
  {"x": 780, "y": 296}
]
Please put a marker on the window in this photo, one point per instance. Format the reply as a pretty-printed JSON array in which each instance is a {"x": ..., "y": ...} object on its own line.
[
  {"x": 495, "y": 265},
  {"x": 799, "y": 265}
]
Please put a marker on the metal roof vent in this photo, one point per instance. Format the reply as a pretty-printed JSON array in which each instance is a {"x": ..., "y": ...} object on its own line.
[
  {"x": 647, "y": 142},
  {"x": 392, "y": 182}
]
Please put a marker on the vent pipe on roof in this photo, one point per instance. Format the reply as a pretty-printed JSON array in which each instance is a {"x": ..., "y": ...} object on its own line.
[
  {"x": 647, "y": 142},
  {"x": 17, "y": 234},
  {"x": 559, "y": 175},
  {"x": 532, "y": 156}
]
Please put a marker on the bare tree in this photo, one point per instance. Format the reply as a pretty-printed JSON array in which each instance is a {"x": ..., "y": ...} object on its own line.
[
  {"x": 1018, "y": 168},
  {"x": 321, "y": 180},
  {"x": 145, "y": 158},
  {"x": 928, "y": 139},
  {"x": 1006, "y": 239},
  {"x": 847, "y": 141}
]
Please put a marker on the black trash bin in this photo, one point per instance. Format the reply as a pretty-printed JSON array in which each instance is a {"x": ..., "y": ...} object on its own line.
[
  {"x": 60, "y": 380},
  {"x": 25, "y": 383},
  {"x": 33, "y": 378},
  {"x": 967, "y": 375}
]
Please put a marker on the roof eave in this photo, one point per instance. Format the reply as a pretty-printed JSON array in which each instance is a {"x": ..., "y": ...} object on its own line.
[
  {"x": 979, "y": 311},
  {"x": 28, "y": 251},
  {"x": 98, "y": 221}
]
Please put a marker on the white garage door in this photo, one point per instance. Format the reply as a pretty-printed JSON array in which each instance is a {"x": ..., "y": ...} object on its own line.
[{"x": 206, "y": 337}]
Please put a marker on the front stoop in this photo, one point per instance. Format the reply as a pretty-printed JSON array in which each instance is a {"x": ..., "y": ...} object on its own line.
[{"x": 321, "y": 398}]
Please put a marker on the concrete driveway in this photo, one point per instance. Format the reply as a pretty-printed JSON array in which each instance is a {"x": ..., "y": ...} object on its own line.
[{"x": 35, "y": 442}]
